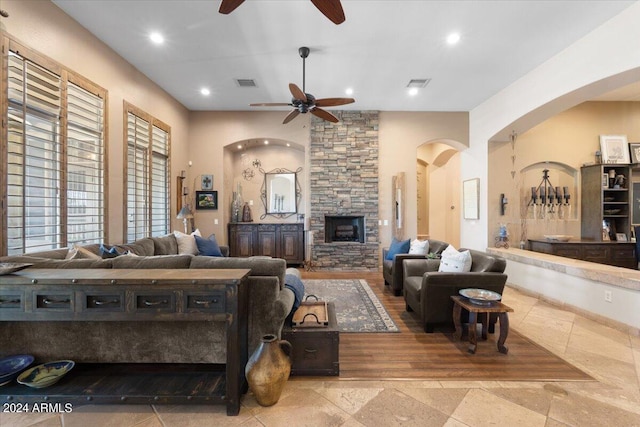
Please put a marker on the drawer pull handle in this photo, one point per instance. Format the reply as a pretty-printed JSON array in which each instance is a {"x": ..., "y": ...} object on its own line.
[
  {"x": 206, "y": 302},
  {"x": 9, "y": 301},
  {"x": 48, "y": 301},
  {"x": 152, "y": 303},
  {"x": 310, "y": 350},
  {"x": 101, "y": 302}
]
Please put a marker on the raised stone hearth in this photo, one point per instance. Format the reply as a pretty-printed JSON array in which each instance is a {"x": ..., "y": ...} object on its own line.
[{"x": 344, "y": 184}]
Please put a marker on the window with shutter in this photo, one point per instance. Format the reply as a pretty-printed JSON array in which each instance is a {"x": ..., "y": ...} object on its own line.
[
  {"x": 53, "y": 156},
  {"x": 147, "y": 182}
]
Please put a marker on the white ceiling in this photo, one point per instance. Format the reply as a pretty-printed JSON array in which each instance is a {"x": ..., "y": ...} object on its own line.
[{"x": 381, "y": 46}]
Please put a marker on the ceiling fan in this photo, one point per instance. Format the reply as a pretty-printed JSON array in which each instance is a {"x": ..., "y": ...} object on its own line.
[
  {"x": 303, "y": 102},
  {"x": 332, "y": 9}
]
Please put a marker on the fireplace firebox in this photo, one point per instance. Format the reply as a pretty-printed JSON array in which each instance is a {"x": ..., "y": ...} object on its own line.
[{"x": 344, "y": 228}]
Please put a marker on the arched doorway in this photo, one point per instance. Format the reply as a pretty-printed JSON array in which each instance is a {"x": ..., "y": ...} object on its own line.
[{"x": 438, "y": 192}]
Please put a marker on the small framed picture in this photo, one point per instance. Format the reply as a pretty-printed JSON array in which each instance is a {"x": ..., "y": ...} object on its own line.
[
  {"x": 634, "y": 148},
  {"x": 615, "y": 149},
  {"x": 206, "y": 200},
  {"x": 605, "y": 180},
  {"x": 207, "y": 182},
  {"x": 621, "y": 237}
]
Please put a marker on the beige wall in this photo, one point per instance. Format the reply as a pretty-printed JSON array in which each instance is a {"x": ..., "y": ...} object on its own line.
[
  {"x": 567, "y": 141},
  {"x": 42, "y": 26}
]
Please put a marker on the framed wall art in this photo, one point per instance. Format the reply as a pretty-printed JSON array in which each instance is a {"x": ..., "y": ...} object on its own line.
[
  {"x": 206, "y": 200},
  {"x": 207, "y": 182},
  {"x": 615, "y": 149},
  {"x": 471, "y": 198},
  {"x": 634, "y": 148}
]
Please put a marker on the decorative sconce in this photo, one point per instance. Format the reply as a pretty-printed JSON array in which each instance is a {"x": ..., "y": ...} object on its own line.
[
  {"x": 549, "y": 199},
  {"x": 503, "y": 203}
]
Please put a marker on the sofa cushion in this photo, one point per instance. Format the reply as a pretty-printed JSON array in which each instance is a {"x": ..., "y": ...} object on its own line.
[
  {"x": 419, "y": 247},
  {"x": 398, "y": 247},
  {"x": 157, "y": 261},
  {"x": 62, "y": 263},
  {"x": 165, "y": 245},
  {"x": 142, "y": 247},
  {"x": 208, "y": 247},
  {"x": 259, "y": 266},
  {"x": 453, "y": 261}
]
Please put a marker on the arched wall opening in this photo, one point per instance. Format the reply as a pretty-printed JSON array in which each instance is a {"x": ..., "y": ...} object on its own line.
[{"x": 438, "y": 190}]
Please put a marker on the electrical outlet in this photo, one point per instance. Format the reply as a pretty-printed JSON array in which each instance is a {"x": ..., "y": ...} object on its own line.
[
  {"x": 215, "y": 221},
  {"x": 607, "y": 296},
  {"x": 385, "y": 222}
]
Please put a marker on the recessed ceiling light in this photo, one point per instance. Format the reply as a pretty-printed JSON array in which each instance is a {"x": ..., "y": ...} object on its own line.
[
  {"x": 288, "y": 145},
  {"x": 453, "y": 38},
  {"x": 349, "y": 91},
  {"x": 413, "y": 91},
  {"x": 239, "y": 146},
  {"x": 266, "y": 142},
  {"x": 156, "y": 37},
  {"x": 205, "y": 91}
]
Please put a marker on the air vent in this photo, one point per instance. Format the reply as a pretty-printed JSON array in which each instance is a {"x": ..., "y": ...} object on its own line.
[
  {"x": 246, "y": 83},
  {"x": 419, "y": 83}
]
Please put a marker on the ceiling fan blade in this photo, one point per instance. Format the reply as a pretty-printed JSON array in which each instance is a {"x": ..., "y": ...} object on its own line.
[
  {"x": 228, "y": 6},
  {"x": 332, "y": 102},
  {"x": 270, "y": 104},
  {"x": 324, "y": 115},
  {"x": 292, "y": 115},
  {"x": 332, "y": 9},
  {"x": 297, "y": 92}
]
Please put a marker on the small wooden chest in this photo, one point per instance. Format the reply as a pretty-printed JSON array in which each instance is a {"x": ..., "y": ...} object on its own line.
[{"x": 315, "y": 351}]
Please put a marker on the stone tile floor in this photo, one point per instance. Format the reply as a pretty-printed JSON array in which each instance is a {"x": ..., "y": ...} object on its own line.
[{"x": 610, "y": 356}]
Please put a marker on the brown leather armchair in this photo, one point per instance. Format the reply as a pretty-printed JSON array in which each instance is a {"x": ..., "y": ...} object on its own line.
[
  {"x": 392, "y": 269},
  {"x": 428, "y": 292}
]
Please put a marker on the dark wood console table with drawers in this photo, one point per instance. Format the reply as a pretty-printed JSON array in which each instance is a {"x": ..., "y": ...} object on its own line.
[
  {"x": 43, "y": 295},
  {"x": 620, "y": 254}
]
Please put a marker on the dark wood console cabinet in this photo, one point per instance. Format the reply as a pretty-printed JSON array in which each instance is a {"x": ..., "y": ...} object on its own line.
[
  {"x": 88, "y": 295},
  {"x": 285, "y": 240},
  {"x": 620, "y": 254}
]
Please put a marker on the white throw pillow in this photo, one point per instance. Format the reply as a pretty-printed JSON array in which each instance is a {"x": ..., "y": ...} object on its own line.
[
  {"x": 187, "y": 242},
  {"x": 419, "y": 247},
  {"x": 453, "y": 261},
  {"x": 78, "y": 252}
]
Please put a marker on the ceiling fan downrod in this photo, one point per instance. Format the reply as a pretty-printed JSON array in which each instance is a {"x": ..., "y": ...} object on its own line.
[{"x": 304, "y": 53}]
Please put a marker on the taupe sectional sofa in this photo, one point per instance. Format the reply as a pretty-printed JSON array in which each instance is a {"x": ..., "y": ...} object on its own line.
[{"x": 161, "y": 342}]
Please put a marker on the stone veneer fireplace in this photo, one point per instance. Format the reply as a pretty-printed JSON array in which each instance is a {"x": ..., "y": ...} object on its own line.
[{"x": 343, "y": 182}]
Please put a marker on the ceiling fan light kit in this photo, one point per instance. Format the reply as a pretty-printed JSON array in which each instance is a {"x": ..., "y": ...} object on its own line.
[{"x": 303, "y": 102}]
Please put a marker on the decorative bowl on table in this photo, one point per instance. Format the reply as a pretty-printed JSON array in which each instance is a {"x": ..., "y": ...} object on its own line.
[
  {"x": 12, "y": 267},
  {"x": 558, "y": 237},
  {"x": 10, "y": 367},
  {"x": 46, "y": 374},
  {"x": 480, "y": 296}
]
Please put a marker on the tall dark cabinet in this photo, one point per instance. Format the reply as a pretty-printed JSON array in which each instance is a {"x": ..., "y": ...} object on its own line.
[
  {"x": 603, "y": 205},
  {"x": 285, "y": 240}
]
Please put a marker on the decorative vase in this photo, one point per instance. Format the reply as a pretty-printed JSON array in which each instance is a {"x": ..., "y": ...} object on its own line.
[
  {"x": 246, "y": 213},
  {"x": 268, "y": 369},
  {"x": 234, "y": 208}
]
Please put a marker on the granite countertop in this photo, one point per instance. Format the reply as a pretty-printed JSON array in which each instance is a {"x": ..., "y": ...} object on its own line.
[{"x": 616, "y": 276}]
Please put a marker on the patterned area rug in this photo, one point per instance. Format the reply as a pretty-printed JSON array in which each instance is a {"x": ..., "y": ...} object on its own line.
[{"x": 358, "y": 309}]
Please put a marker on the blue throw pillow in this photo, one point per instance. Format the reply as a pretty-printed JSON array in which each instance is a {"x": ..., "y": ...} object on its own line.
[
  {"x": 208, "y": 247},
  {"x": 398, "y": 247},
  {"x": 108, "y": 252}
]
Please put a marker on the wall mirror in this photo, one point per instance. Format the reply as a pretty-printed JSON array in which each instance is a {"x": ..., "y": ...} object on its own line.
[{"x": 280, "y": 192}]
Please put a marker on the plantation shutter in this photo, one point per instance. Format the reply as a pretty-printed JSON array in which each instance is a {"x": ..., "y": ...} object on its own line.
[
  {"x": 137, "y": 178},
  {"x": 34, "y": 157}
]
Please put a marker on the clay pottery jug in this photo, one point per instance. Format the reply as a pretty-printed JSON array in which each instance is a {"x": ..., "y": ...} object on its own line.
[{"x": 268, "y": 369}]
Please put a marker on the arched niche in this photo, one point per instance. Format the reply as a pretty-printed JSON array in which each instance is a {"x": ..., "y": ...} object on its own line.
[
  {"x": 243, "y": 162},
  {"x": 559, "y": 175}
]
